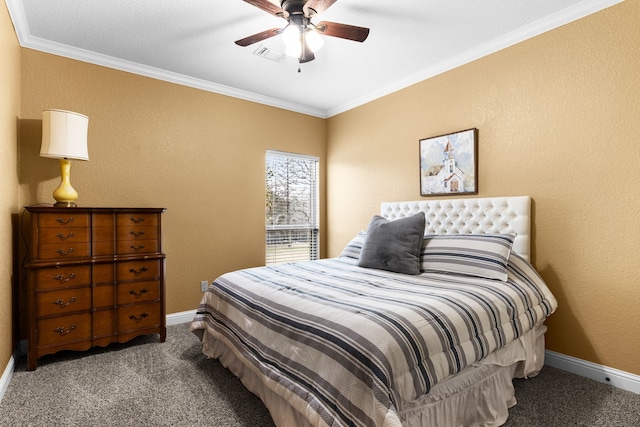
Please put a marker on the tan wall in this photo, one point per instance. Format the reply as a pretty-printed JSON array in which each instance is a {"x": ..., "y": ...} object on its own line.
[
  {"x": 9, "y": 113},
  {"x": 152, "y": 143},
  {"x": 558, "y": 120}
]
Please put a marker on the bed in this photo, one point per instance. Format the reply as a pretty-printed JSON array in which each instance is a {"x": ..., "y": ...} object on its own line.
[{"x": 364, "y": 339}]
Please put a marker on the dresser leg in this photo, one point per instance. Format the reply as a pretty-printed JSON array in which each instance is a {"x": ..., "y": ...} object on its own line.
[{"x": 32, "y": 362}]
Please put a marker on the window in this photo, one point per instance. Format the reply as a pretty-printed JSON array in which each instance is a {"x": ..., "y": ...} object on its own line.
[{"x": 291, "y": 208}]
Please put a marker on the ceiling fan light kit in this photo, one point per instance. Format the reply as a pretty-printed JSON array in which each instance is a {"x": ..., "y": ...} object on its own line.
[
  {"x": 296, "y": 37},
  {"x": 300, "y": 35}
]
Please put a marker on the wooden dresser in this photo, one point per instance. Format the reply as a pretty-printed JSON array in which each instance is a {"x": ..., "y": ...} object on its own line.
[{"x": 95, "y": 276}]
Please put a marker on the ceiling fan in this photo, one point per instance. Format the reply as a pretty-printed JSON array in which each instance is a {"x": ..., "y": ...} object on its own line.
[{"x": 300, "y": 35}]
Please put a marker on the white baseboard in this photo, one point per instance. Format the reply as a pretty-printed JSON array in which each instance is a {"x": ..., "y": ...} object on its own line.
[
  {"x": 180, "y": 317},
  {"x": 604, "y": 374},
  {"x": 6, "y": 376}
]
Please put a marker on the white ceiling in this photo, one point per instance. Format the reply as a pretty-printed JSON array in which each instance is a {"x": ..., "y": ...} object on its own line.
[{"x": 191, "y": 42}]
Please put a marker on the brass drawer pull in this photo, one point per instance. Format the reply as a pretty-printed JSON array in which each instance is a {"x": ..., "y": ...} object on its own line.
[
  {"x": 138, "y": 294},
  {"x": 137, "y": 233},
  {"x": 137, "y": 248},
  {"x": 63, "y": 237},
  {"x": 136, "y": 220},
  {"x": 63, "y": 252},
  {"x": 63, "y": 222},
  {"x": 137, "y": 272},
  {"x": 136, "y": 318},
  {"x": 62, "y": 332},
  {"x": 62, "y": 304},
  {"x": 60, "y": 278}
]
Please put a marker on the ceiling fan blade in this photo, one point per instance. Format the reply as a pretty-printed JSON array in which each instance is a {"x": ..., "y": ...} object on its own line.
[
  {"x": 317, "y": 6},
  {"x": 268, "y": 7},
  {"x": 343, "y": 31},
  {"x": 258, "y": 37}
]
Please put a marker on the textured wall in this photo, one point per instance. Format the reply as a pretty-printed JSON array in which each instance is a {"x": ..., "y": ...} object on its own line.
[
  {"x": 9, "y": 113},
  {"x": 157, "y": 144},
  {"x": 558, "y": 120}
]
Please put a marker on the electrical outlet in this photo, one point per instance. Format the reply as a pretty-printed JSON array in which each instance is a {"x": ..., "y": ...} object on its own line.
[{"x": 204, "y": 285}]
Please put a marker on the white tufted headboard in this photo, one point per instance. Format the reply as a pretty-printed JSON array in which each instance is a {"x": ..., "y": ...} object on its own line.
[{"x": 482, "y": 215}]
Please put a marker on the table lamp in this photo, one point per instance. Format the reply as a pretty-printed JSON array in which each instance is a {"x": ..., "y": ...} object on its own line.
[{"x": 64, "y": 137}]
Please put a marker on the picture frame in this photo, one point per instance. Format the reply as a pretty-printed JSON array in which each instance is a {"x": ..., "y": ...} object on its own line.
[{"x": 449, "y": 164}]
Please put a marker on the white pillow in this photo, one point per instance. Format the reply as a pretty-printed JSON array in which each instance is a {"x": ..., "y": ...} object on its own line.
[
  {"x": 354, "y": 247},
  {"x": 480, "y": 255}
]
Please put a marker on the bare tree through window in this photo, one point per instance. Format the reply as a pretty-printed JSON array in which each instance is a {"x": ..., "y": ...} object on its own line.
[{"x": 291, "y": 207}]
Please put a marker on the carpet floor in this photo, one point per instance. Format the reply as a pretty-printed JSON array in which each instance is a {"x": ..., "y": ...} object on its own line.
[{"x": 145, "y": 383}]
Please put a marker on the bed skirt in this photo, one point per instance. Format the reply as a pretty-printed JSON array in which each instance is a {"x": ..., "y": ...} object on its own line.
[{"x": 480, "y": 395}]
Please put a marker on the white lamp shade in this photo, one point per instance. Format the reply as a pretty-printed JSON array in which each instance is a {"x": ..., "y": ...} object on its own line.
[{"x": 64, "y": 135}]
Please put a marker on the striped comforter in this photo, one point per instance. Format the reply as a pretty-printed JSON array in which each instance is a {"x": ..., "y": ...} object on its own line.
[{"x": 355, "y": 343}]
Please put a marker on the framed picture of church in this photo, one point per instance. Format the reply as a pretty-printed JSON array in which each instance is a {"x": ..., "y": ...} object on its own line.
[{"x": 449, "y": 164}]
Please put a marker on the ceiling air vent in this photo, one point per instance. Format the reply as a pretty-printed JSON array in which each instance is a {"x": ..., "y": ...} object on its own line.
[{"x": 271, "y": 54}]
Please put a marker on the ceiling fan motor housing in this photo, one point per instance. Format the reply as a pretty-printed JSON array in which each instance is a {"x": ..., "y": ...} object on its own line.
[{"x": 293, "y": 7}]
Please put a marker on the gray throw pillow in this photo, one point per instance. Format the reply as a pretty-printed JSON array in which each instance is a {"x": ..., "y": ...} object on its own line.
[{"x": 394, "y": 245}]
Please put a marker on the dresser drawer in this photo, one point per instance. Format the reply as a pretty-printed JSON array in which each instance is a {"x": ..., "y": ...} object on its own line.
[
  {"x": 104, "y": 296},
  {"x": 62, "y": 277},
  {"x": 63, "y": 301},
  {"x": 64, "y": 220},
  {"x": 104, "y": 326},
  {"x": 137, "y": 233},
  {"x": 67, "y": 235},
  {"x": 138, "y": 270},
  {"x": 130, "y": 247},
  {"x": 63, "y": 329},
  {"x": 103, "y": 241},
  {"x": 129, "y": 293},
  {"x": 136, "y": 219},
  {"x": 63, "y": 251},
  {"x": 138, "y": 316},
  {"x": 104, "y": 273}
]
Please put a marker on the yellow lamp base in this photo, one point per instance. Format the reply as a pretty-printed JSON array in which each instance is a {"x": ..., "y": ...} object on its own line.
[{"x": 65, "y": 194}]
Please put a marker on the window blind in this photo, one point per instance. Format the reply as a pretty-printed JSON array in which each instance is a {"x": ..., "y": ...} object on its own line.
[{"x": 291, "y": 208}]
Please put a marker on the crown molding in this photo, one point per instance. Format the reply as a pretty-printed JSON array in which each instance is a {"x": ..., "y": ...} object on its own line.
[
  {"x": 570, "y": 14},
  {"x": 534, "y": 29},
  {"x": 66, "y": 51},
  {"x": 16, "y": 11}
]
